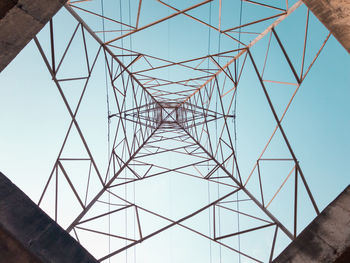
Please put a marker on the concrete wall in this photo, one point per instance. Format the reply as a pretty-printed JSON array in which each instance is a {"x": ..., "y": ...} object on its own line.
[
  {"x": 12, "y": 251},
  {"x": 335, "y": 15},
  {"x": 20, "y": 21},
  {"x": 28, "y": 235},
  {"x": 326, "y": 239}
]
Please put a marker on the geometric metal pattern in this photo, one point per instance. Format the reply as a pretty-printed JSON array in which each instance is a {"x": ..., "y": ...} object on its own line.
[{"x": 188, "y": 117}]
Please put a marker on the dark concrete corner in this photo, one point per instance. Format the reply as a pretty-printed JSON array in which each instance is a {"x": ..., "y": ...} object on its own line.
[
  {"x": 20, "y": 21},
  {"x": 326, "y": 239},
  {"x": 335, "y": 15},
  {"x": 27, "y": 234}
]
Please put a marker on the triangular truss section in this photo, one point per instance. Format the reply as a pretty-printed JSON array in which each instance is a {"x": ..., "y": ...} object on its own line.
[{"x": 177, "y": 120}]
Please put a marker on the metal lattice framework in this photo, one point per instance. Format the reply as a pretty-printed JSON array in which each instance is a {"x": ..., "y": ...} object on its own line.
[{"x": 190, "y": 117}]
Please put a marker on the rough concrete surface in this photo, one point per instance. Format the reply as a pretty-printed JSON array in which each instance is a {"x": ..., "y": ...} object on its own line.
[
  {"x": 28, "y": 235},
  {"x": 335, "y": 15},
  {"x": 12, "y": 251},
  {"x": 324, "y": 240},
  {"x": 20, "y": 21}
]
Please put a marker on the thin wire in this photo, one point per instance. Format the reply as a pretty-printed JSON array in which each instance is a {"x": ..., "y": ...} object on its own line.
[
  {"x": 133, "y": 127},
  {"x": 210, "y": 242},
  {"x": 218, "y": 175},
  {"x": 170, "y": 177},
  {"x": 209, "y": 217},
  {"x": 108, "y": 131},
  {"x": 125, "y": 186},
  {"x": 235, "y": 129}
]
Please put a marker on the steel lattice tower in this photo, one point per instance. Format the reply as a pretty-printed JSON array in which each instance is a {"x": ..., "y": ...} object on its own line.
[{"x": 178, "y": 118}]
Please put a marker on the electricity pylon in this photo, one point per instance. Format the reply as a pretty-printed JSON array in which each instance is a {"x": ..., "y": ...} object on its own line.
[{"x": 182, "y": 125}]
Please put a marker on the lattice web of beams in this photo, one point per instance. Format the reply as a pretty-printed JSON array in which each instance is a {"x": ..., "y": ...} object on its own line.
[{"x": 183, "y": 124}]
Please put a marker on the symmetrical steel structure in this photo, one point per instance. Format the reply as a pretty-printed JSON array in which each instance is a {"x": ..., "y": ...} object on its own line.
[{"x": 189, "y": 117}]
